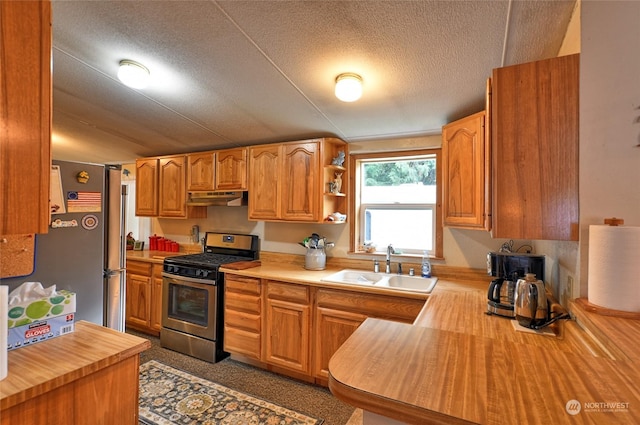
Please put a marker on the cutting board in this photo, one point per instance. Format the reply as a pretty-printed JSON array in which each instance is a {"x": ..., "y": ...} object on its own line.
[
  {"x": 241, "y": 265},
  {"x": 17, "y": 255}
]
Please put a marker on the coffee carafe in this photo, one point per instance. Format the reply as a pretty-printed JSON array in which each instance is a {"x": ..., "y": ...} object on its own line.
[
  {"x": 530, "y": 303},
  {"x": 501, "y": 296}
]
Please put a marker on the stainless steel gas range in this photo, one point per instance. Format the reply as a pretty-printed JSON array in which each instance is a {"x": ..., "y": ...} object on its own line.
[{"x": 193, "y": 292}]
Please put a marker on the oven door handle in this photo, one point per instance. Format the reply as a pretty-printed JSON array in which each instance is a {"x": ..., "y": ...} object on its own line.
[{"x": 189, "y": 279}]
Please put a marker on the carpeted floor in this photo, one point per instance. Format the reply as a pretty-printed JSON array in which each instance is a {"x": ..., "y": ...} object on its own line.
[{"x": 310, "y": 399}]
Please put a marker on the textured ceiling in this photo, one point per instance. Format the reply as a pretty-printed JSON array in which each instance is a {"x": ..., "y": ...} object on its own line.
[{"x": 230, "y": 73}]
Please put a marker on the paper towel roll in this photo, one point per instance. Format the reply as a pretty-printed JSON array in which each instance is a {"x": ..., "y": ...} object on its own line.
[
  {"x": 4, "y": 317},
  {"x": 614, "y": 267}
]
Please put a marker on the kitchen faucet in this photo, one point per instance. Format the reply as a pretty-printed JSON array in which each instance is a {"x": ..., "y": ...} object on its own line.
[{"x": 390, "y": 251}]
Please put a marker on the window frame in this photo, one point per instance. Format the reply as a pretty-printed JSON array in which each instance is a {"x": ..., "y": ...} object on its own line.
[{"x": 355, "y": 242}]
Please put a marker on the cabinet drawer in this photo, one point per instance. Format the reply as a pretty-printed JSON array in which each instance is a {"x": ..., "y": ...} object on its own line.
[
  {"x": 288, "y": 291},
  {"x": 248, "y": 285},
  {"x": 242, "y": 342},
  {"x": 242, "y": 302},
  {"x": 139, "y": 267},
  {"x": 241, "y": 320},
  {"x": 380, "y": 306}
]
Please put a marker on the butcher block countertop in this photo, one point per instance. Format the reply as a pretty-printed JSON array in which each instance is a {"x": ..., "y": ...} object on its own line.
[
  {"x": 458, "y": 365},
  {"x": 51, "y": 364}
]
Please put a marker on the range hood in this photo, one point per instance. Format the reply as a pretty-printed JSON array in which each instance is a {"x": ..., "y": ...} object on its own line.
[{"x": 205, "y": 199}]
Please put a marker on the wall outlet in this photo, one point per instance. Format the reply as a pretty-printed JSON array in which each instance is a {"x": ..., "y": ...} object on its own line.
[{"x": 569, "y": 289}]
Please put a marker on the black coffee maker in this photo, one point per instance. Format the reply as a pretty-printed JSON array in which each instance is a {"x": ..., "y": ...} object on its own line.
[{"x": 508, "y": 267}]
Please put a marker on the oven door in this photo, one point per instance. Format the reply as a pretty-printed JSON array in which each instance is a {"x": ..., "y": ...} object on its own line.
[{"x": 189, "y": 305}]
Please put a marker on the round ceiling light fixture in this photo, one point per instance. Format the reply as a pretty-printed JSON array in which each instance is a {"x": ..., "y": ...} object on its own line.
[
  {"x": 133, "y": 74},
  {"x": 348, "y": 87}
]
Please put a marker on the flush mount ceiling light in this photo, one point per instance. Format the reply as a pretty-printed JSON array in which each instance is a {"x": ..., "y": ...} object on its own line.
[
  {"x": 348, "y": 87},
  {"x": 133, "y": 74}
]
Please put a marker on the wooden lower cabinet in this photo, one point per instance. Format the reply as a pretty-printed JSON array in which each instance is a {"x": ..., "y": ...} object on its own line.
[
  {"x": 242, "y": 316},
  {"x": 295, "y": 329},
  {"x": 332, "y": 328},
  {"x": 339, "y": 313},
  {"x": 144, "y": 297},
  {"x": 288, "y": 326},
  {"x": 155, "y": 313},
  {"x": 138, "y": 304}
]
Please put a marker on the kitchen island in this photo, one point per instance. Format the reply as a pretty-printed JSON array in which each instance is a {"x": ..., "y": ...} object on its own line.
[{"x": 89, "y": 376}]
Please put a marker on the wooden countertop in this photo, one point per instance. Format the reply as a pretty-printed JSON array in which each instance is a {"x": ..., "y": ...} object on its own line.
[
  {"x": 50, "y": 364},
  {"x": 459, "y": 365},
  {"x": 422, "y": 375}
]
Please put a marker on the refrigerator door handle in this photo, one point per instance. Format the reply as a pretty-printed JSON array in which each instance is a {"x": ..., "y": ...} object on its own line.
[{"x": 112, "y": 272}]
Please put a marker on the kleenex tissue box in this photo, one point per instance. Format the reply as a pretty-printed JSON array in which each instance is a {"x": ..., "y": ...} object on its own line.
[{"x": 40, "y": 319}]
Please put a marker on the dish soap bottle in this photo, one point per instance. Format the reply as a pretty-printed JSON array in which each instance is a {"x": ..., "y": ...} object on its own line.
[{"x": 426, "y": 265}]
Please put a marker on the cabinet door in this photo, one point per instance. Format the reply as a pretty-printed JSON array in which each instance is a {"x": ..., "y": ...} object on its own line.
[
  {"x": 25, "y": 113},
  {"x": 301, "y": 185},
  {"x": 200, "y": 171},
  {"x": 155, "y": 314},
  {"x": 463, "y": 172},
  {"x": 534, "y": 136},
  {"x": 231, "y": 169},
  {"x": 332, "y": 328},
  {"x": 287, "y": 326},
  {"x": 172, "y": 193},
  {"x": 138, "y": 304},
  {"x": 264, "y": 190},
  {"x": 147, "y": 187},
  {"x": 287, "y": 335}
]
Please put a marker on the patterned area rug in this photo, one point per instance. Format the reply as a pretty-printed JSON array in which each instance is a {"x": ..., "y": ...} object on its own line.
[{"x": 170, "y": 396}]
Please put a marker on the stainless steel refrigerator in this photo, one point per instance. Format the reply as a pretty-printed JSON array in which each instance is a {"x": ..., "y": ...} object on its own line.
[{"x": 84, "y": 250}]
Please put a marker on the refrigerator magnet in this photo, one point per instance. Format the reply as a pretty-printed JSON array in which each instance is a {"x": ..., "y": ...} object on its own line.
[{"x": 89, "y": 222}]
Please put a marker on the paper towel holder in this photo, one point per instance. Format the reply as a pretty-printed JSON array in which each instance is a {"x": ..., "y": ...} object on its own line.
[{"x": 614, "y": 221}]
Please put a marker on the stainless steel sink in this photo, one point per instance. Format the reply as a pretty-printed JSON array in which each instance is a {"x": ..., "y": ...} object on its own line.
[{"x": 392, "y": 281}]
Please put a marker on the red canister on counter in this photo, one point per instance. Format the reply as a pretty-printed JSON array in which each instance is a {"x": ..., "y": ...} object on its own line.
[
  {"x": 153, "y": 242},
  {"x": 175, "y": 247},
  {"x": 161, "y": 244}
]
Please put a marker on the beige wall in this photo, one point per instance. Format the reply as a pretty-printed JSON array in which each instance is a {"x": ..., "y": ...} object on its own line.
[{"x": 609, "y": 118}]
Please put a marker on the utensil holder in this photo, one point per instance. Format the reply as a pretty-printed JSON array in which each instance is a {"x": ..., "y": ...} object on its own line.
[{"x": 315, "y": 259}]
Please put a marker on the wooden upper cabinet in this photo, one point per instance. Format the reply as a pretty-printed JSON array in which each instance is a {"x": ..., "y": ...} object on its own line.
[
  {"x": 264, "y": 190},
  {"x": 287, "y": 181},
  {"x": 172, "y": 194},
  {"x": 231, "y": 169},
  {"x": 200, "y": 173},
  {"x": 161, "y": 188},
  {"x": 535, "y": 140},
  {"x": 25, "y": 113},
  {"x": 147, "y": 187},
  {"x": 464, "y": 173},
  {"x": 300, "y": 178}
]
